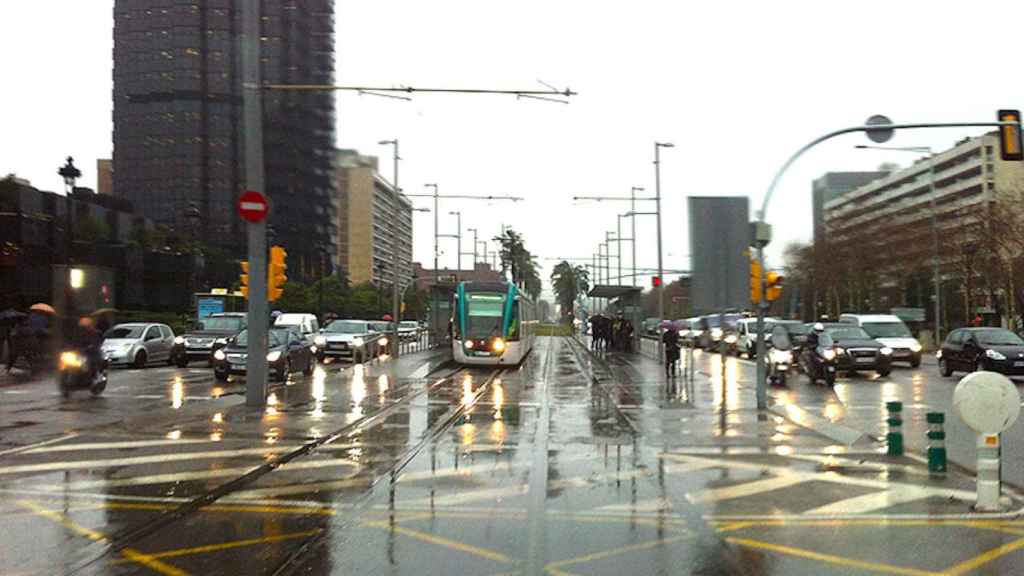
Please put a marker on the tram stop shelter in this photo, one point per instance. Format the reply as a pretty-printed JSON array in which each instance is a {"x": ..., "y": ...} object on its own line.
[{"x": 625, "y": 299}]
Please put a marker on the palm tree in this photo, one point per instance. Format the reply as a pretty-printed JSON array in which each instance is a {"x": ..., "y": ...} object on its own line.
[{"x": 569, "y": 282}]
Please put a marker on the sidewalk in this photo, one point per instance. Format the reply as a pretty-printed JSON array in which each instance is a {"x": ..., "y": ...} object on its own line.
[{"x": 811, "y": 465}]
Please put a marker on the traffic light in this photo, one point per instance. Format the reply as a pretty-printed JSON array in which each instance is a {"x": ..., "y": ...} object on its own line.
[
  {"x": 1009, "y": 136},
  {"x": 773, "y": 286},
  {"x": 755, "y": 282},
  {"x": 275, "y": 273},
  {"x": 243, "y": 278},
  {"x": 655, "y": 281}
]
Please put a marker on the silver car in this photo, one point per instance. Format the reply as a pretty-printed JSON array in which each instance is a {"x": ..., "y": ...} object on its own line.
[{"x": 138, "y": 344}]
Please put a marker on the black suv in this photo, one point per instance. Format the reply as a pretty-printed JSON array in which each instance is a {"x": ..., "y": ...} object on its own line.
[{"x": 208, "y": 336}]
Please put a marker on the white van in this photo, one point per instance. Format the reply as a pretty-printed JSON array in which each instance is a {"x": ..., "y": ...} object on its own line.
[
  {"x": 305, "y": 324},
  {"x": 892, "y": 332}
]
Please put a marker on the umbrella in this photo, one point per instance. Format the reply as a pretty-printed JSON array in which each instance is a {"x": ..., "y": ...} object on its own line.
[
  {"x": 41, "y": 307},
  {"x": 103, "y": 311},
  {"x": 387, "y": 318}
]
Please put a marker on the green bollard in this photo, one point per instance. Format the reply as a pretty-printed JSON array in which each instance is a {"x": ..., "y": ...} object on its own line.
[
  {"x": 936, "y": 442},
  {"x": 894, "y": 438}
]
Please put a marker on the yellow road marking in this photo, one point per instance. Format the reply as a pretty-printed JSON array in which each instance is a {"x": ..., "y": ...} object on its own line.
[
  {"x": 445, "y": 542},
  {"x": 828, "y": 558},
  {"x": 129, "y": 553},
  {"x": 229, "y": 545},
  {"x": 555, "y": 567},
  {"x": 731, "y": 526},
  {"x": 985, "y": 558},
  {"x": 229, "y": 508}
]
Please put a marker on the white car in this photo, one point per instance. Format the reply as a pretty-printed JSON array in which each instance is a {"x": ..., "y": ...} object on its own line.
[
  {"x": 408, "y": 330},
  {"x": 746, "y": 333},
  {"x": 355, "y": 339},
  {"x": 890, "y": 331},
  {"x": 138, "y": 344}
]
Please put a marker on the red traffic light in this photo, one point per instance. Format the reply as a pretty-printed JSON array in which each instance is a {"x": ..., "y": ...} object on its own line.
[{"x": 655, "y": 281}]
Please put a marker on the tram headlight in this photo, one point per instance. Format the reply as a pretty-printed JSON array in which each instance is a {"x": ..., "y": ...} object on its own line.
[
  {"x": 468, "y": 344},
  {"x": 499, "y": 345}
]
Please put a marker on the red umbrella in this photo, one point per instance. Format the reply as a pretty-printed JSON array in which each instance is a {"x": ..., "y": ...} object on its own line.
[{"x": 387, "y": 318}]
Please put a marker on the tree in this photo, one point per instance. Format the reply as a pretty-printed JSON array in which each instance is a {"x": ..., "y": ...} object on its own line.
[
  {"x": 294, "y": 299},
  {"x": 569, "y": 283},
  {"x": 515, "y": 258}
]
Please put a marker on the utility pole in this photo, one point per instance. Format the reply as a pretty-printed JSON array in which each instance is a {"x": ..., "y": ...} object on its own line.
[
  {"x": 252, "y": 108},
  {"x": 473, "y": 230},
  {"x": 396, "y": 305},
  {"x": 458, "y": 238},
  {"x": 657, "y": 195},
  {"x": 632, "y": 226}
]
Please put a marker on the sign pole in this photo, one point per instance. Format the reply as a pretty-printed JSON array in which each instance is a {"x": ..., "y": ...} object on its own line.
[{"x": 256, "y": 363}]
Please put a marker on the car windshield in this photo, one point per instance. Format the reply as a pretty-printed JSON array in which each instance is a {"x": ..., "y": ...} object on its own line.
[
  {"x": 998, "y": 337},
  {"x": 412, "y": 324},
  {"x": 712, "y": 321},
  {"x": 124, "y": 332},
  {"x": 797, "y": 329},
  {"x": 346, "y": 327},
  {"x": 848, "y": 333},
  {"x": 273, "y": 338},
  {"x": 887, "y": 330},
  {"x": 282, "y": 335},
  {"x": 223, "y": 324},
  {"x": 484, "y": 314}
]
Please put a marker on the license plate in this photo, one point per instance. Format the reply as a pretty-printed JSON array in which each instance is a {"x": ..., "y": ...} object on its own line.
[
  {"x": 1018, "y": 364},
  {"x": 865, "y": 360},
  {"x": 831, "y": 369}
]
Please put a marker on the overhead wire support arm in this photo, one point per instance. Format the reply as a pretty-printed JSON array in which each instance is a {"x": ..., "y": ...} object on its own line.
[
  {"x": 600, "y": 198},
  {"x": 467, "y": 197},
  {"x": 412, "y": 90}
]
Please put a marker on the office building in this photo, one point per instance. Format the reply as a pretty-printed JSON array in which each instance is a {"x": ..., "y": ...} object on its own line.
[
  {"x": 832, "y": 185},
  {"x": 105, "y": 176},
  {"x": 368, "y": 220},
  {"x": 178, "y": 125}
]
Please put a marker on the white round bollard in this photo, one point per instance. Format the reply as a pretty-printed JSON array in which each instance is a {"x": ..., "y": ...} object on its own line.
[{"x": 989, "y": 404}]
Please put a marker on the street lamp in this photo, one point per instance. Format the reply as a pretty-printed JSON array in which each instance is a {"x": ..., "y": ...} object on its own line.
[
  {"x": 936, "y": 280},
  {"x": 657, "y": 208},
  {"x": 474, "y": 231},
  {"x": 458, "y": 239},
  {"x": 396, "y": 307}
]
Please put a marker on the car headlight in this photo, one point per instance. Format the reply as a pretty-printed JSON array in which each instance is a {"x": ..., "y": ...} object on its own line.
[
  {"x": 468, "y": 344},
  {"x": 127, "y": 346},
  {"x": 320, "y": 341},
  {"x": 358, "y": 342},
  {"x": 840, "y": 350},
  {"x": 829, "y": 354},
  {"x": 219, "y": 355},
  {"x": 915, "y": 347},
  {"x": 499, "y": 345},
  {"x": 70, "y": 360},
  {"x": 274, "y": 356},
  {"x": 886, "y": 351},
  {"x": 994, "y": 355},
  {"x": 221, "y": 341},
  {"x": 730, "y": 339},
  {"x": 938, "y": 353},
  {"x": 383, "y": 341},
  {"x": 716, "y": 333},
  {"x": 179, "y": 340}
]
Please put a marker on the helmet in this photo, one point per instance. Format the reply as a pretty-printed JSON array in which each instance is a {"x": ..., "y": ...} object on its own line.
[{"x": 819, "y": 327}]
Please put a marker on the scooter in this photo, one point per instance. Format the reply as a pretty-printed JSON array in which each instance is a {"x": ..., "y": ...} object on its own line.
[
  {"x": 778, "y": 364},
  {"x": 78, "y": 371}
]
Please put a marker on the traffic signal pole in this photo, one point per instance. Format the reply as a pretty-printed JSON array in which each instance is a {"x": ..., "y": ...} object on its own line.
[
  {"x": 256, "y": 363},
  {"x": 762, "y": 214}
]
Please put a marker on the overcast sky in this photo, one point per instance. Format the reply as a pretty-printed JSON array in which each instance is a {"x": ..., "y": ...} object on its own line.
[{"x": 737, "y": 86}]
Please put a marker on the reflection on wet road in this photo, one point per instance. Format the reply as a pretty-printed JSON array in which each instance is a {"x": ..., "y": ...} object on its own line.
[{"x": 567, "y": 464}]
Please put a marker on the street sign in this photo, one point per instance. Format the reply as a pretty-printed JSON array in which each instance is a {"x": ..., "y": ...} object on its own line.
[
  {"x": 252, "y": 206},
  {"x": 879, "y": 135},
  {"x": 987, "y": 402}
]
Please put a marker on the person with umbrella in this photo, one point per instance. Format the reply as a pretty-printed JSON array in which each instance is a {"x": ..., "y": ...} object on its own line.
[
  {"x": 9, "y": 320},
  {"x": 671, "y": 340}
]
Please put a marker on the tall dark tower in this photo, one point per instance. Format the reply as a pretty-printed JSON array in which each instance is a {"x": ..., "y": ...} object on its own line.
[{"x": 178, "y": 120}]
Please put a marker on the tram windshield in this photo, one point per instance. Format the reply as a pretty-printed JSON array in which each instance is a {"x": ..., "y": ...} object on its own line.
[{"x": 484, "y": 315}]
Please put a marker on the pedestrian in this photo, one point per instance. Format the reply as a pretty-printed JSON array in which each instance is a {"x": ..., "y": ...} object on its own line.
[
  {"x": 671, "y": 340},
  {"x": 627, "y": 334}
]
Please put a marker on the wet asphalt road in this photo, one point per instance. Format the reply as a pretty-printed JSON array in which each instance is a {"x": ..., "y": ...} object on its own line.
[{"x": 564, "y": 465}]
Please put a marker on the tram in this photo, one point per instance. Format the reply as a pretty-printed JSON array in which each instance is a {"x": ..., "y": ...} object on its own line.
[{"x": 493, "y": 323}]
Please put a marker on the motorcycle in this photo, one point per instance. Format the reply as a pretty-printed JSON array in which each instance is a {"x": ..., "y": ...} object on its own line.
[
  {"x": 819, "y": 363},
  {"x": 78, "y": 371}
]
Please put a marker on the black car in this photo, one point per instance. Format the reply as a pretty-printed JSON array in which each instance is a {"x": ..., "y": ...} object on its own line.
[
  {"x": 991, "y": 349},
  {"x": 208, "y": 336},
  {"x": 795, "y": 330},
  {"x": 287, "y": 351},
  {"x": 857, "y": 350}
]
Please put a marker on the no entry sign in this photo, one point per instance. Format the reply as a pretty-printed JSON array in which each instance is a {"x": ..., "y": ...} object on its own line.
[{"x": 252, "y": 206}]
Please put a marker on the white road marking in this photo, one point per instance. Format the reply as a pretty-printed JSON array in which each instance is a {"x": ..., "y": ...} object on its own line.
[
  {"x": 194, "y": 475},
  {"x": 151, "y": 459},
  {"x": 876, "y": 501},
  {"x": 115, "y": 445},
  {"x": 39, "y": 444},
  {"x": 745, "y": 489},
  {"x": 652, "y": 505},
  {"x": 474, "y": 496},
  {"x": 168, "y": 499}
]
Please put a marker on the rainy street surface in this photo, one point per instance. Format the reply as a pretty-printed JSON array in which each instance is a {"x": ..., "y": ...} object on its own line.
[{"x": 570, "y": 464}]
